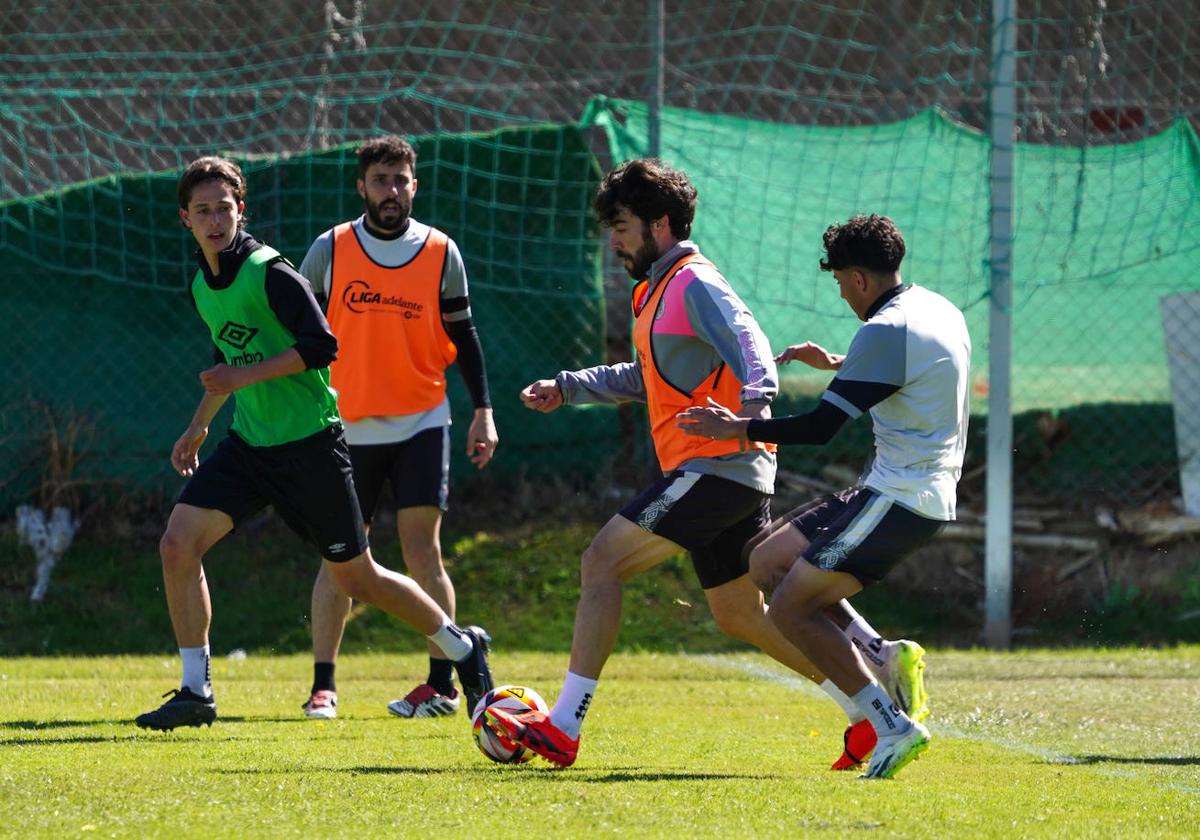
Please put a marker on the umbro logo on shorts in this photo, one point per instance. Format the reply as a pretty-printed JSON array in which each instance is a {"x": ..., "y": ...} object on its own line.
[
  {"x": 653, "y": 511},
  {"x": 336, "y": 547},
  {"x": 832, "y": 555}
]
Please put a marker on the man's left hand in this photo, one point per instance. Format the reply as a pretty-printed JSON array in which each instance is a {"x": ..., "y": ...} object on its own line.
[{"x": 482, "y": 438}]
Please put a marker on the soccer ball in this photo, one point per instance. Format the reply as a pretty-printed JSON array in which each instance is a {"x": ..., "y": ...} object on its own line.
[{"x": 496, "y": 745}]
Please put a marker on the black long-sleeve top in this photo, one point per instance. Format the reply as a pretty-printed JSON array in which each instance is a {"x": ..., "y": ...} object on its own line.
[{"x": 288, "y": 294}]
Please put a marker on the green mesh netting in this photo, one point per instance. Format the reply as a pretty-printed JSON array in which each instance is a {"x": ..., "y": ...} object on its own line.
[
  {"x": 1100, "y": 235},
  {"x": 102, "y": 103},
  {"x": 126, "y": 354}
]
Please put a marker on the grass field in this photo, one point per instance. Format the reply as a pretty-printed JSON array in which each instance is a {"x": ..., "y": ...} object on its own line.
[{"x": 1097, "y": 744}]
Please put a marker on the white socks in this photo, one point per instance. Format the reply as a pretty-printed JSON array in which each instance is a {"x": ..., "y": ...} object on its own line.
[
  {"x": 572, "y": 704},
  {"x": 452, "y": 641},
  {"x": 197, "y": 670},
  {"x": 839, "y": 697},
  {"x": 864, "y": 637},
  {"x": 885, "y": 716}
]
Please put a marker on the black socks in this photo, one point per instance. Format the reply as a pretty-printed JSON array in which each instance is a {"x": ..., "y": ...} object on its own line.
[
  {"x": 323, "y": 677},
  {"x": 441, "y": 675}
]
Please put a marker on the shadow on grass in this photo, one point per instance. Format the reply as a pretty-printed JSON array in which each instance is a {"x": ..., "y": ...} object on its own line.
[
  {"x": 673, "y": 776},
  {"x": 1178, "y": 760},
  {"x": 133, "y": 737},
  {"x": 222, "y": 720},
  {"x": 617, "y": 775},
  {"x": 66, "y": 724},
  {"x": 289, "y": 771},
  {"x": 51, "y": 725},
  {"x": 54, "y": 742},
  {"x": 39, "y": 725},
  {"x": 292, "y": 720}
]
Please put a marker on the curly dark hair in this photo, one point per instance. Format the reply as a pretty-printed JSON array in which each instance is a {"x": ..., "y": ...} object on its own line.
[
  {"x": 211, "y": 168},
  {"x": 649, "y": 189},
  {"x": 871, "y": 242},
  {"x": 390, "y": 149}
]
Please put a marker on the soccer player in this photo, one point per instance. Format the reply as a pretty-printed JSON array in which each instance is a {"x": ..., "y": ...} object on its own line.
[
  {"x": 695, "y": 340},
  {"x": 285, "y": 446},
  {"x": 396, "y": 294},
  {"x": 907, "y": 365}
]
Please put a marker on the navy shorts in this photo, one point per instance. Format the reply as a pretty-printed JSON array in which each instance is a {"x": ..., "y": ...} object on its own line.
[
  {"x": 713, "y": 518},
  {"x": 418, "y": 470},
  {"x": 309, "y": 483},
  {"x": 860, "y": 532}
]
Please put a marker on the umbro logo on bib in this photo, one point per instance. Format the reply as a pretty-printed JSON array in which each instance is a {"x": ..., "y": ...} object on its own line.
[{"x": 237, "y": 335}]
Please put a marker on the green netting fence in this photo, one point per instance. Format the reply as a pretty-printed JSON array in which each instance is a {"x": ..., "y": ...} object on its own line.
[
  {"x": 1104, "y": 234},
  {"x": 103, "y": 332},
  {"x": 790, "y": 115}
]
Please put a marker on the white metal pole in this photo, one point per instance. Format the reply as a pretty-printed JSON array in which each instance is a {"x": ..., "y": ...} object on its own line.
[
  {"x": 657, "y": 74},
  {"x": 998, "y": 546}
]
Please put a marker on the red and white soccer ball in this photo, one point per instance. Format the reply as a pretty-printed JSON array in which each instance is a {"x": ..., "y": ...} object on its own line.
[{"x": 495, "y": 745}]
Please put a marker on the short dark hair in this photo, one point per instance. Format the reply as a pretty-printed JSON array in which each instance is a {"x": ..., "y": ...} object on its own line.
[
  {"x": 211, "y": 168},
  {"x": 390, "y": 149},
  {"x": 650, "y": 190},
  {"x": 871, "y": 242}
]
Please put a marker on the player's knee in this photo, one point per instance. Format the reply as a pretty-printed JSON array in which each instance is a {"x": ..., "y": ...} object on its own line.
[
  {"x": 760, "y": 579},
  {"x": 598, "y": 566},
  {"x": 757, "y": 540},
  {"x": 178, "y": 550},
  {"x": 764, "y": 569},
  {"x": 737, "y": 623},
  {"x": 354, "y": 579},
  {"x": 424, "y": 562}
]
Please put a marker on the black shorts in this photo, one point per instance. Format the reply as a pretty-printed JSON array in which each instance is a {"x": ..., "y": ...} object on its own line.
[
  {"x": 418, "y": 469},
  {"x": 860, "y": 532},
  {"x": 308, "y": 482},
  {"x": 713, "y": 518}
]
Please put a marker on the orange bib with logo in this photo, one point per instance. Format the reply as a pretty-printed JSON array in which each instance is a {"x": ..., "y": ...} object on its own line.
[
  {"x": 664, "y": 400},
  {"x": 393, "y": 350}
]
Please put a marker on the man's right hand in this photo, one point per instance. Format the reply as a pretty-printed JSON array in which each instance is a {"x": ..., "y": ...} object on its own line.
[
  {"x": 184, "y": 455},
  {"x": 543, "y": 395},
  {"x": 813, "y": 355}
]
